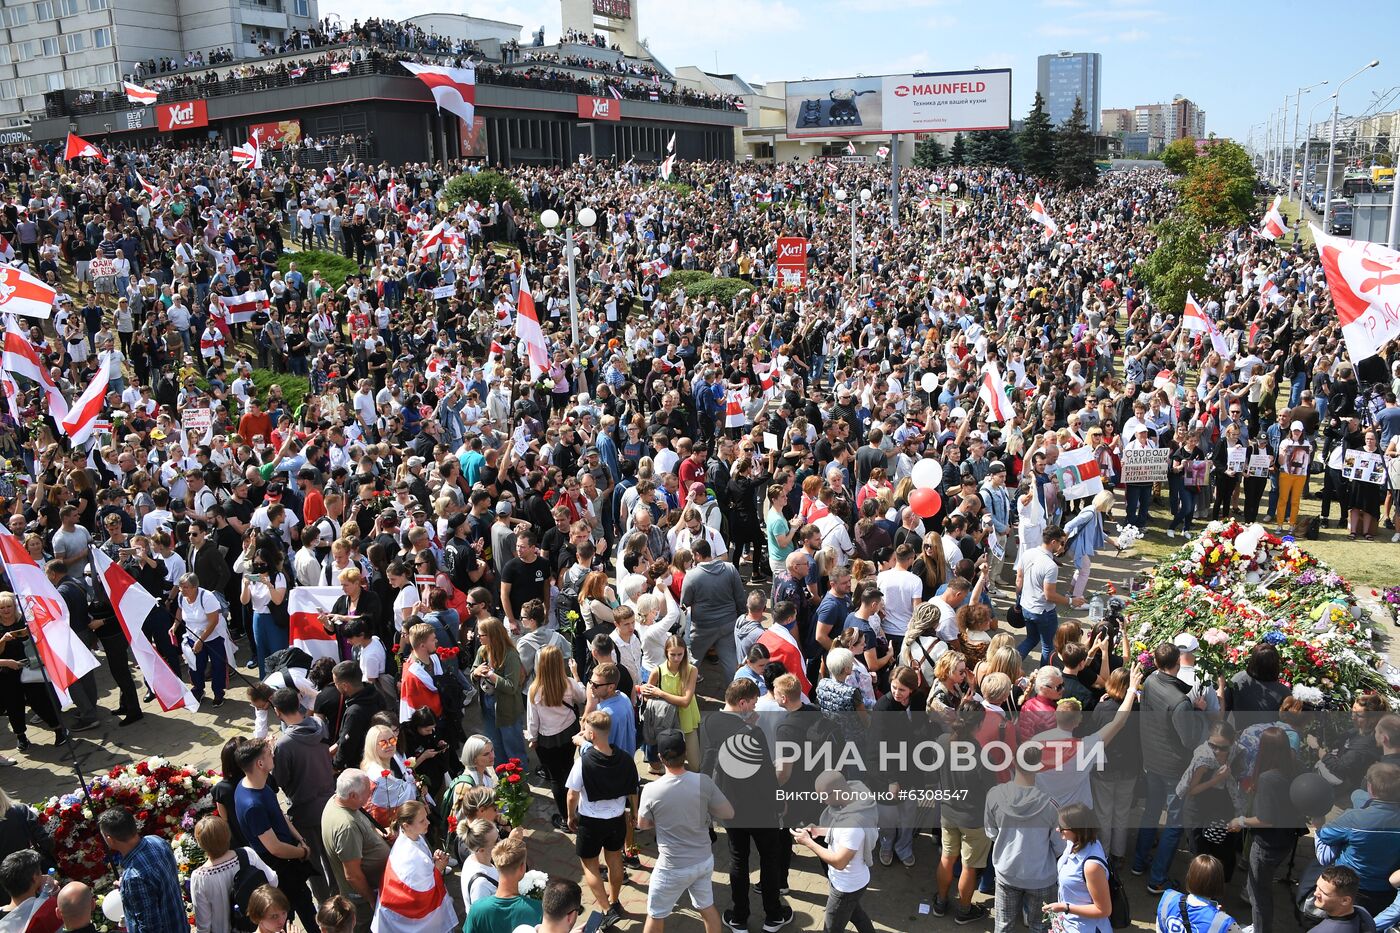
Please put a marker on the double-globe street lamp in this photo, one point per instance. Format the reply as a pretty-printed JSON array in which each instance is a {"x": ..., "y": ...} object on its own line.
[
  {"x": 586, "y": 218},
  {"x": 841, "y": 196}
]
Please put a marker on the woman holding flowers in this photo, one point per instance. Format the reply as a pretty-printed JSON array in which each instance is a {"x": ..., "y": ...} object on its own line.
[{"x": 391, "y": 779}]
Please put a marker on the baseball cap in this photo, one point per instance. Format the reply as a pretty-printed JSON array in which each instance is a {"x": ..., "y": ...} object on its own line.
[
  {"x": 415, "y": 462},
  {"x": 457, "y": 521},
  {"x": 1187, "y": 642},
  {"x": 275, "y": 490},
  {"x": 503, "y": 508},
  {"x": 671, "y": 745}
]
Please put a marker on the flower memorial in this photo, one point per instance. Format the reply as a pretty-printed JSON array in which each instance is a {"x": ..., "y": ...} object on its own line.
[
  {"x": 165, "y": 799},
  {"x": 1237, "y": 586}
]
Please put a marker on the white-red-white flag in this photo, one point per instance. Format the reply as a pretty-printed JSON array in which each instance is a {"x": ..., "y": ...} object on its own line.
[
  {"x": 248, "y": 155},
  {"x": 138, "y": 94},
  {"x": 22, "y": 293},
  {"x": 133, "y": 605},
  {"x": 239, "y": 309},
  {"x": 413, "y": 898},
  {"x": 1274, "y": 224},
  {"x": 340, "y": 68},
  {"x": 418, "y": 689},
  {"x": 1364, "y": 279},
  {"x": 1192, "y": 317},
  {"x": 22, "y": 358},
  {"x": 527, "y": 328},
  {"x": 657, "y": 267},
  {"x": 993, "y": 393},
  {"x": 304, "y": 607},
  {"x": 34, "y": 914},
  {"x": 79, "y": 148},
  {"x": 156, "y": 193},
  {"x": 1040, "y": 216},
  {"x": 62, "y": 652},
  {"x": 81, "y": 421},
  {"x": 734, "y": 402},
  {"x": 454, "y": 89},
  {"x": 10, "y": 389}
]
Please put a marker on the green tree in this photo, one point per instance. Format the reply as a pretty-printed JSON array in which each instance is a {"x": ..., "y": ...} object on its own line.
[
  {"x": 1218, "y": 190},
  {"x": 1074, "y": 151},
  {"x": 1178, "y": 264},
  {"x": 993, "y": 147},
  {"x": 1179, "y": 155},
  {"x": 928, "y": 154},
  {"x": 1037, "y": 142},
  {"x": 958, "y": 154}
]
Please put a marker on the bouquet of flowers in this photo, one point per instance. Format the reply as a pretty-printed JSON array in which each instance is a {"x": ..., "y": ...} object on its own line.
[
  {"x": 164, "y": 798},
  {"x": 1238, "y": 586},
  {"x": 1391, "y": 597},
  {"x": 513, "y": 792},
  {"x": 532, "y": 884}
]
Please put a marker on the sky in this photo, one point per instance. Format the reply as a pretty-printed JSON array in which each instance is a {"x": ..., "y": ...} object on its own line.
[{"x": 1235, "y": 58}]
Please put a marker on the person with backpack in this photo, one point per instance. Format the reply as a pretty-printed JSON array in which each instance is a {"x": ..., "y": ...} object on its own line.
[
  {"x": 221, "y": 887},
  {"x": 1198, "y": 910},
  {"x": 1085, "y": 902},
  {"x": 850, "y": 836}
]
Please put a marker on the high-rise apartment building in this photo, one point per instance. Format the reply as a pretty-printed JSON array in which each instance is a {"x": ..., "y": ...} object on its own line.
[
  {"x": 1118, "y": 120},
  {"x": 1180, "y": 119},
  {"x": 1063, "y": 78},
  {"x": 54, "y": 45}
]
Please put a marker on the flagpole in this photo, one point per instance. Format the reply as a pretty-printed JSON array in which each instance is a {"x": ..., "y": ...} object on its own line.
[{"x": 68, "y": 740}]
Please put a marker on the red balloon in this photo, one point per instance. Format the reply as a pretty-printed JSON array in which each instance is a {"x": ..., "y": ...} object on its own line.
[{"x": 925, "y": 502}]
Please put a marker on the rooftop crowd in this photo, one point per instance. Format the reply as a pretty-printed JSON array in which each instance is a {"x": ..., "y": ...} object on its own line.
[{"x": 594, "y": 537}]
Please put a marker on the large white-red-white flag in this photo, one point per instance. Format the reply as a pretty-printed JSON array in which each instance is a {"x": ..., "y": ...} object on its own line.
[
  {"x": 239, "y": 309},
  {"x": 1040, "y": 216},
  {"x": 1364, "y": 279},
  {"x": 304, "y": 607},
  {"x": 81, "y": 420},
  {"x": 527, "y": 328},
  {"x": 418, "y": 688},
  {"x": 79, "y": 148},
  {"x": 156, "y": 193},
  {"x": 454, "y": 89},
  {"x": 22, "y": 358},
  {"x": 138, "y": 94},
  {"x": 248, "y": 155},
  {"x": 22, "y": 293},
  {"x": 133, "y": 605},
  {"x": 63, "y": 654},
  {"x": 413, "y": 898},
  {"x": 993, "y": 393},
  {"x": 1274, "y": 225},
  {"x": 36, "y": 913},
  {"x": 1192, "y": 316}
]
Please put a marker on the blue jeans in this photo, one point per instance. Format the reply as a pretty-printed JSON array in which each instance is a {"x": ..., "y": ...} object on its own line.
[
  {"x": 210, "y": 664},
  {"x": 1295, "y": 390},
  {"x": 269, "y": 636},
  {"x": 1040, "y": 627},
  {"x": 1161, "y": 794},
  {"x": 507, "y": 739},
  {"x": 1139, "y": 500},
  {"x": 1183, "y": 502}
]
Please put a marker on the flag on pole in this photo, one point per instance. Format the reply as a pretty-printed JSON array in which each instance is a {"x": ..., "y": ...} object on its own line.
[
  {"x": 138, "y": 94},
  {"x": 249, "y": 155},
  {"x": 133, "y": 605},
  {"x": 79, "y": 148},
  {"x": 1217, "y": 339},
  {"x": 527, "y": 328},
  {"x": 304, "y": 607},
  {"x": 993, "y": 393},
  {"x": 81, "y": 421},
  {"x": 10, "y": 388},
  {"x": 1192, "y": 317},
  {"x": 22, "y": 293},
  {"x": 62, "y": 653},
  {"x": 1364, "y": 279},
  {"x": 850, "y": 147},
  {"x": 1274, "y": 224},
  {"x": 1039, "y": 215},
  {"x": 22, "y": 358},
  {"x": 883, "y": 151},
  {"x": 454, "y": 89}
]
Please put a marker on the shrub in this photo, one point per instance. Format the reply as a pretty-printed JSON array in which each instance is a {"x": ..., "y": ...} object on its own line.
[
  {"x": 333, "y": 266},
  {"x": 482, "y": 187},
  {"x": 683, "y": 278},
  {"x": 295, "y": 389}
]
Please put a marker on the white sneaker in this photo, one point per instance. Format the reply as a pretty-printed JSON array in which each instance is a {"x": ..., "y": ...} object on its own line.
[
  {"x": 1171, "y": 533},
  {"x": 1395, "y": 538}
]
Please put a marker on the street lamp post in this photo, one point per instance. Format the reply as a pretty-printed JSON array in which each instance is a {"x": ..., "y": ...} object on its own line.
[
  {"x": 1293, "y": 149},
  {"x": 586, "y": 218},
  {"x": 1307, "y": 146},
  {"x": 1332, "y": 146},
  {"x": 865, "y": 199}
]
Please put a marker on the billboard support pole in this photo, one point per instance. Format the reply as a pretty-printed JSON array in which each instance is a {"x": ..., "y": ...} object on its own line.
[{"x": 894, "y": 180}]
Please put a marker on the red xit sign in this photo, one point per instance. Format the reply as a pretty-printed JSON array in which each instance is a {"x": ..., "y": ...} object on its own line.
[
  {"x": 187, "y": 115},
  {"x": 791, "y": 257},
  {"x": 599, "y": 108}
]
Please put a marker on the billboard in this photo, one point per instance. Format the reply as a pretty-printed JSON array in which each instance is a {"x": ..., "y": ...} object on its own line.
[
  {"x": 613, "y": 9},
  {"x": 945, "y": 102},
  {"x": 599, "y": 108},
  {"x": 189, "y": 115},
  {"x": 791, "y": 254},
  {"x": 276, "y": 135},
  {"x": 473, "y": 138}
]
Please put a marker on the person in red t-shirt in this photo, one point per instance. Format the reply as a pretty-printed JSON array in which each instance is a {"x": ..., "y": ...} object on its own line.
[
  {"x": 255, "y": 422},
  {"x": 692, "y": 469}
]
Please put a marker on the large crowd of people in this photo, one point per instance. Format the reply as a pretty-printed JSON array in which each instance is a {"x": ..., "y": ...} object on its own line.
[{"x": 541, "y": 558}]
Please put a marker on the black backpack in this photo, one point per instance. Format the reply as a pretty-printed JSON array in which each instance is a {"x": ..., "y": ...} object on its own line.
[{"x": 246, "y": 880}]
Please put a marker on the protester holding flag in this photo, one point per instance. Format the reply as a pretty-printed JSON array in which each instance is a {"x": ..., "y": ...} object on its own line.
[
  {"x": 201, "y": 630},
  {"x": 22, "y": 679}
]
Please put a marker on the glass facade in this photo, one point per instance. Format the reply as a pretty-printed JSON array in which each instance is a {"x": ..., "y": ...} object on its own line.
[{"x": 1068, "y": 76}]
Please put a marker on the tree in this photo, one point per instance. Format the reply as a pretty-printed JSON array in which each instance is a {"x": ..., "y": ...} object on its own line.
[
  {"x": 1178, "y": 264},
  {"x": 1037, "y": 142},
  {"x": 1179, "y": 155},
  {"x": 993, "y": 147},
  {"x": 958, "y": 154},
  {"x": 1218, "y": 190},
  {"x": 928, "y": 154},
  {"x": 1074, "y": 151}
]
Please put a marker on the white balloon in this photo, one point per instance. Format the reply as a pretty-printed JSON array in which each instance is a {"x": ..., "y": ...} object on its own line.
[
  {"x": 958, "y": 412},
  {"x": 379, "y": 235},
  {"x": 927, "y": 474},
  {"x": 928, "y": 382},
  {"x": 112, "y": 907}
]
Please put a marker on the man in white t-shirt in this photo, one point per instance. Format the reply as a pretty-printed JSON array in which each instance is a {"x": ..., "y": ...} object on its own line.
[
  {"x": 1040, "y": 599},
  {"x": 851, "y": 822},
  {"x": 903, "y": 594}
]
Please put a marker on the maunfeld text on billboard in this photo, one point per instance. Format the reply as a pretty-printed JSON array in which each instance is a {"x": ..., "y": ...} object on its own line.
[{"x": 927, "y": 103}]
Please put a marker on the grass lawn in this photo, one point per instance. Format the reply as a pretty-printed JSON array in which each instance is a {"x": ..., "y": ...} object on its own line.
[
  {"x": 1367, "y": 564},
  {"x": 1290, "y": 209}
]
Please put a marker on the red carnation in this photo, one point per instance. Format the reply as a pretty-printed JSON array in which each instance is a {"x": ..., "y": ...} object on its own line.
[
  {"x": 502, "y": 769},
  {"x": 384, "y": 773},
  {"x": 514, "y": 778}
]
